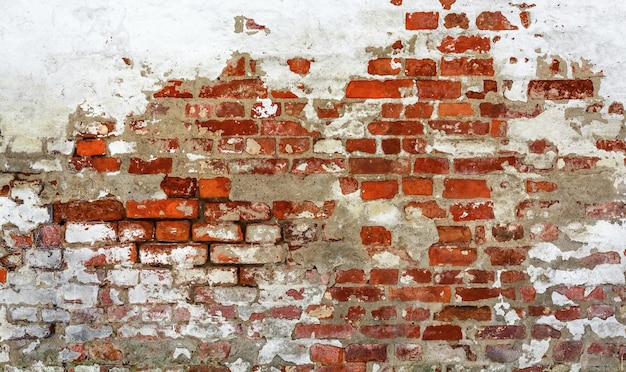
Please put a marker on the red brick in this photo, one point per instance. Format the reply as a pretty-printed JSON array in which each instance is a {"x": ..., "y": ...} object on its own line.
[
  {"x": 465, "y": 66},
  {"x": 581, "y": 293},
  {"x": 420, "y": 67},
  {"x": 567, "y": 313},
  {"x": 322, "y": 331},
  {"x": 477, "y": 294},
  {"x": 217, "y": 232},
  {"x": 198, "y": 110},
  {"x": 419, "y": 110},
  {"x": 454, "y": 234},
  {"x": 456, "y": 20},
  {"x": 408, "y": 352},
  {"x": 285, "y": 128},
  {"x": 171, "y": 254},
  {"x": 391, "y": 331},
  {"x": 567, "y": 351},
  {"x": 378, "y": 88},
  {"x": 356, "y": 276},
  {"x": 300, "y": 66},
  {"x": 342, "y": 368},
  {"x": 366, "y": 145},
  {"x": 294, "y": 146},
  {"x": 286, "y": 312},
  {"x": 422, "y": 294},
  {"x": 172, "y": 231},
  {"x": 218, "y": 187},
  {"x": 48, "y": 236},
  {"x": 396, "y": 128},
  {"x": 414, "y": 145},
  {"x": 237, "y": 89},
  {"x": 508, "y": 277},
  {"x": 464, "y": 44},
  {"x": 379, "y": 166},
  {"x": 443, "y": 332},
  {"x": 538, "y": 186},
  {"x": 528, "y": 293},
  {"x": 98, "y": 210},
  {"x": 384, "y": 276},
  {"x": 230, "y": 110},
  {"x": 438, "y": 89},
  {"x": 366, "y": 353},
  {"x": 439, "y": 256},
  {"x": 100, "y": 164},
  {"x": 171, "y": 91},
  {"x": 259, "y": 166},
  {"x": 360, "y": 294},
  {"x": 247, "y": 254},
  {"x": 483, "y": 165},
  {"x": 372, "y": 190},
  {"x": 578, "y": 163},
  {"x": 168, "y": 208},
  {"x": 318, "y": 166},
  {"x": 391, "y": 110},
  {"x": 493, "y": 21},
  {"x": 465, "y": 189},
  {"x": 326, "y": 354},
  {"x": 228, "y": 128},
  {"x": 601, "y": 258},
  {"x": 600, "y": 311},
  {"x": 615, "y": 209},
  {"x": 384, "y": 66},
  {"x": 260, "y": 146},
  {"x": 509, "y": 256},
  {"x": 384, "y": 313},
  {"x": 417, "y": 186},
  {"x": 543, "y": 331},
  {"x": 391, "y": 146},
  {"x": 452, "y": 313},
  {"x": 501, "y": 332},
  {"x": 431, "y": 166},
  {"x": 560, "y": 89},
  {"x": 507, "y": 232},
  {"x": 91, "y": 147},
  {"x": 375, "y": 235},
  {"x": 155, "y": 166},
  {"x": 3, "y": 275},
  {"x": 214, "y": 351},
  {"x": 236, "y": 211},
  {"x": 286, "y": 210},
  {"x": 135, "y": 231},
  {"x": 472, "y": 211},
  {"x": 611, "y": 145},
  {"x": 348, "y": 185},
  {"x": 177, "y": 187},
  {"x": 498, "y": 128},
  {"x": 454, "y": 109},
  {"x": 509, "y": 110},
  {"x": 415, "y": 314},
  {"x": 231, "y": 145},
  {"x": 422, "y": 21},
  {"x": 478, "y": 128},
  {"x": 123, "y": 254}
]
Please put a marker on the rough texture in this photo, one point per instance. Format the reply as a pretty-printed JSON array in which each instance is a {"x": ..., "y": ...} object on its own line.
[{"x": 428, "y": 208}]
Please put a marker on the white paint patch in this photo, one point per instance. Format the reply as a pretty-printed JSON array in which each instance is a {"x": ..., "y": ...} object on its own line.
[
  {"x": 181, "y": 351},
  {"x": 122, "y": 147},
  {"x": 23, "y": 209},
  {"x": 90, "y": 232},
  {"x": 533, "y": 353},
  {"x": 47, "y": 165}
]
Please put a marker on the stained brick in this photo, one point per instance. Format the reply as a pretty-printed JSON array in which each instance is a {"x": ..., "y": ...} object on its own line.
[
  {"x": 366, "y": 353},
  {"x": 186, "y": 254},
  {"x": 560, "y": 89},
  {"x": 237, "y": 89},
  {"x": 326, "y": 353},
  {"x": 396, "y": 128},
  {"x": 452, "y": 313},
  {"x": 98, "y": 210},
  {"x": 391, "y": 331},
  {"x": 168, "y": 208},
  {"x": 443, "y": 332},
  {"x": 322, "y": 331},
  {"x": 423, "y": 294},
  {"x": 217, "y": 232},
  {"x": 155, "y": 166},
  {"x": 286, "y": 210},
  {"x": 379, "y": 166},
  {"x": 229, "y": 127},
  {"x": 452, "y": 256},
  {"x": 493, "y": 21},
  {"x": 501, "y": 332},
  {"x": 177, "y": 187}
]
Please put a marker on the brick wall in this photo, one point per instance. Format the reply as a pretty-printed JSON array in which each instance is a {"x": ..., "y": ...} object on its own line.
[{"x": 424, "y": 220}]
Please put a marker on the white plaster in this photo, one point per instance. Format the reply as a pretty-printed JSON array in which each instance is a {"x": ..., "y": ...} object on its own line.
[
  {"x": 122, "y": 147},
  {"x": 533, "y": 352},
  {"x": 26, "y": 214},
  {"x": 90, "y": 232},
  {"x": 47, "y": 165}
]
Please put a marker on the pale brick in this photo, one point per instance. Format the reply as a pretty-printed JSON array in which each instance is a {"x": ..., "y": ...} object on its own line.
[
  {"x": 28, "y": 314},
  {"x": 90, "y": 232},
  {"x": 54, "y": 315},
  {"x": 263, "y": 233},
  {"x": 247, "y": 254},
  {"x": 123, "y": 277},
  {"x": 44, "y": 258}
]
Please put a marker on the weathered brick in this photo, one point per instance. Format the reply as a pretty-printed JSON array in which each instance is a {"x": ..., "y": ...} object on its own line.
[
  {"x": 493, "y": 21},
  {"x": 247, "y": 253},
  {"x": 452, "y": 313},
  {"x": 384, "y": 313},
  {"x": 185, "y": 254},
  {"x": 452, "y": 256},
  {"x": 415, "y": 314},
  {"x": 453, "y": 20},
  {"x": 360, "y": 294},
  {"x": 48, "y": 236},
  {"x": 384, "y": 66},
  {"x": 465, "y": 66},
  {"x": 391, "y": 331},
  {"x": 366, "y": 353},
  {"x": 462, "y": 44},
  {"x": 479, "y": 128},
  {"x": 236, "y": 211},
  {"x": 172, "y": 231},
  {"x": 326, "y": 353},
  {"x": 237, "y": 89},
  {"x": 384, "y": 276},
  {"x": 567, "y": 351},
  {"x": 154, "y": 166},
  {"x": 438, "y": 89},
  {"x": 285, "y": 128},
  {"x": 396, "y": 128},
  {"x": 216, "y": 232},
  {"x": 408, "y": 352},
  {"x": 322, "y": 331},
  {"x": 375, "y": 235},
  {"x": 483, "y": 165},
  {"x": 135, "y": 231},
  {"x": 560, "y": 89},
  {"x": 378, "y": 88},
  {"x": 172, "y": 91},
  {"x": 443, "y": 332},
  {"x": 177, "y": 187},
  {"x": 90, "y": 232},
  {"x": 454, "y": 235},
  {"x": 509, "y": 256},
  {"x": 422, "y": 21},
  {"x": 418, "y": 110},
  {"x": 372, "y": 190},
  {"x": 98, "y": 210},
  {"x": 318, "y": 166},
  {"x": 422, "y": 294},
  {"x": 162, "y": 209},
  {"x": 286, "y": 210},
  {"x": 379, "y": 166},
  {"x": 501, "y": 332},
  {"x": 472, "y": 211},
  {"x": 543, "y": 331},
  {"x": 229, "y": 127},
  {"x": 259, "y": 166},
  {"x": 356, "y": 276}
]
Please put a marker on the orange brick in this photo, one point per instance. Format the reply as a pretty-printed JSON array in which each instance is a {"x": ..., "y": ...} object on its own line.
[
  {"x": 214, "y": 187},
  {"x": 172, "y": 231}
]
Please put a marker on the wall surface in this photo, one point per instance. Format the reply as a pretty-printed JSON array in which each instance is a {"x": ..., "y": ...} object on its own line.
[{"x": 328, "y": 186}]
